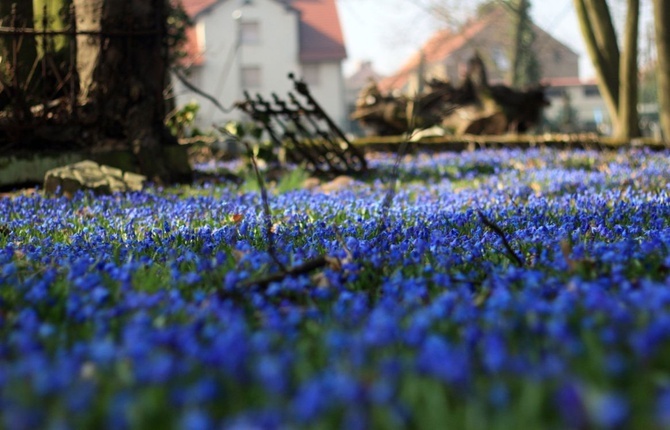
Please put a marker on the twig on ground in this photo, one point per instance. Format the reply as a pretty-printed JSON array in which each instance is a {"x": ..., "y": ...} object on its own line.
[
  {"x": 395, "y": 173},
  {"x": 497, "y": 230},
  {"x": 267, "y": 214},
  {"x": 284, "y": 272},
  {"x": 301, "y": 269},
  {"x": 340, "y": 239}
]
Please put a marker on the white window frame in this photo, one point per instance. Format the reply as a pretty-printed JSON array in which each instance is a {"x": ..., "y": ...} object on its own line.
[
  {"x": 500, "y": 59},
  {"x": 251, "y": 76},
  {"x": 250, "y": 33}
]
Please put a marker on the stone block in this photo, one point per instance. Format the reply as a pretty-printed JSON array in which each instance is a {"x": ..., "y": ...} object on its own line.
[{"x": 89, "y": 175}]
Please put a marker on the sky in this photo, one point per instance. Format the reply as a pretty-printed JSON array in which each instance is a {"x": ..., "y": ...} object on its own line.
[{"x": 386, "y": 32}]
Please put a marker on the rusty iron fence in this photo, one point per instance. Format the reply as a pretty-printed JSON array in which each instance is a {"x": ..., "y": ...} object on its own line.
[
  {"x": 304, "y": 130},
  {"x": 34, "y": 104}
]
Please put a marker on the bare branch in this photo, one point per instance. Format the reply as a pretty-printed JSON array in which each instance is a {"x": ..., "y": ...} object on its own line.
[
  {"x": 497, "y": 230},
  {"x": 302, "y": 269}
]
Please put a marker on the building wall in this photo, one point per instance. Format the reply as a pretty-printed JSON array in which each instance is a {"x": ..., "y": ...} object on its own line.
[
  {"x": 556, "y": 59},
  {"x": 586, "y": 103},
  {"x": 276, "y": 54},
  {"x": 329, "y": 91}
]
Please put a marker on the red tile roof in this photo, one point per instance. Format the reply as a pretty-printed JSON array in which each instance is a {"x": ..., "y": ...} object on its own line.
[
  {"x": 194, "y": 7},
  {"x": 437, "y": 48},
  {"x": 320, "y": 31}
]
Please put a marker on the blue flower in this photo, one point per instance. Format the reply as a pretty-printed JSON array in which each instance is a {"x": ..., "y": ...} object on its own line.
[
  {"x": 610, "y": 410},
  {"x": 311, "y": 399},
  {"x": 9, "y": 271},
  {"x": 494, "y": 352},
  {"x": 272, "y": 374},
  {"x": 663, "y": 408},
  {"x": 99, "y": 294},
  {"x": 196, "y": 419},
  {"x": 103, "y": 351},
  {"x": 569, "y": 401},
  {"x": 449, "y": 363},
  {"x": 191, "y": 278}
]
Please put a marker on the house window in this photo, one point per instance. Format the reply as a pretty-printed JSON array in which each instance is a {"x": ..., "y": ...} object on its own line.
[
  {"x": 311, "y": 74},
  {"x": 250, "y": 33},
  {"x": 558, "y": 56},
  {"x": 554, "y": 92},
  {"x": 591, "y": 91},
  {"x": 500, "y": 59},
  {"x": 251, "y": 77}
]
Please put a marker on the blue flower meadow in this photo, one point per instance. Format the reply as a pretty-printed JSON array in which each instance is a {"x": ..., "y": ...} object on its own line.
[{"x": 140, "y": 311}]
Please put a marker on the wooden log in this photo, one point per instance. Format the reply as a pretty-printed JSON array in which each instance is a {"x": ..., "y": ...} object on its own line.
[{"x": 474, "y": 107}]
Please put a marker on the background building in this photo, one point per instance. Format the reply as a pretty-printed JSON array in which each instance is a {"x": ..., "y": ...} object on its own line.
[
  {"x": 445, "y": 55},
  {"x": 252, "y": 45},
  {"x": 353, "y": 84},
  {"x": 576, "y": 105}
]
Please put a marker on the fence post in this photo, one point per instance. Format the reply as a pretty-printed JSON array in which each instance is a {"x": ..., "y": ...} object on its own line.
[
  {"x": 43, "y": 59},
  {"x": 13, "y": 70},
  {"x": 72, "y": 72}
]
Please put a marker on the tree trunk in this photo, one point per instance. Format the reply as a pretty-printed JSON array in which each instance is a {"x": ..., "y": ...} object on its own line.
[
  {"x": 601, "y": 44},
  {"x": 122, "y": 78},
  {"x": 628, "y": 96},
  {"x": 616, "y": 72},
  {"x": 89, "y": 14},
  {"x": 604, "y": 32},
  {"x": 524, "y": 67},
  {"x": 519, "y": 10},
  {"x": 661, "y": 20}
]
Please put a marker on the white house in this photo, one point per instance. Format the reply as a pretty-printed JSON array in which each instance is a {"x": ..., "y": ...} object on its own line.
[{"x": 252, "y": 45}]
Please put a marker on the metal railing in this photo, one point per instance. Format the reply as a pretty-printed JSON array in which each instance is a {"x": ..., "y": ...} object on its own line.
[{"x": 305, "y": 131}]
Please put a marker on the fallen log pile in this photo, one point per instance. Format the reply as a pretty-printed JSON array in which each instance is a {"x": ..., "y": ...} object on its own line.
[{"x": 473, "y": 107}]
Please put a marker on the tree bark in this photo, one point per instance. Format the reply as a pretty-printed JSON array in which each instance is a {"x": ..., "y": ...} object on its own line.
[
  {"x": 601, "y": 55},
  {"x": 604, "y": 32},
  {"x": 89, "y": 15},
  {"x": 628, "y": 82},
  {"x": 122, "y": 78},
  {"x": 524, "y": 67},
  {"x": 616, "y": 71},
  {"x": 661, "y": 20},
  {"x": 520, "y": 13}
]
